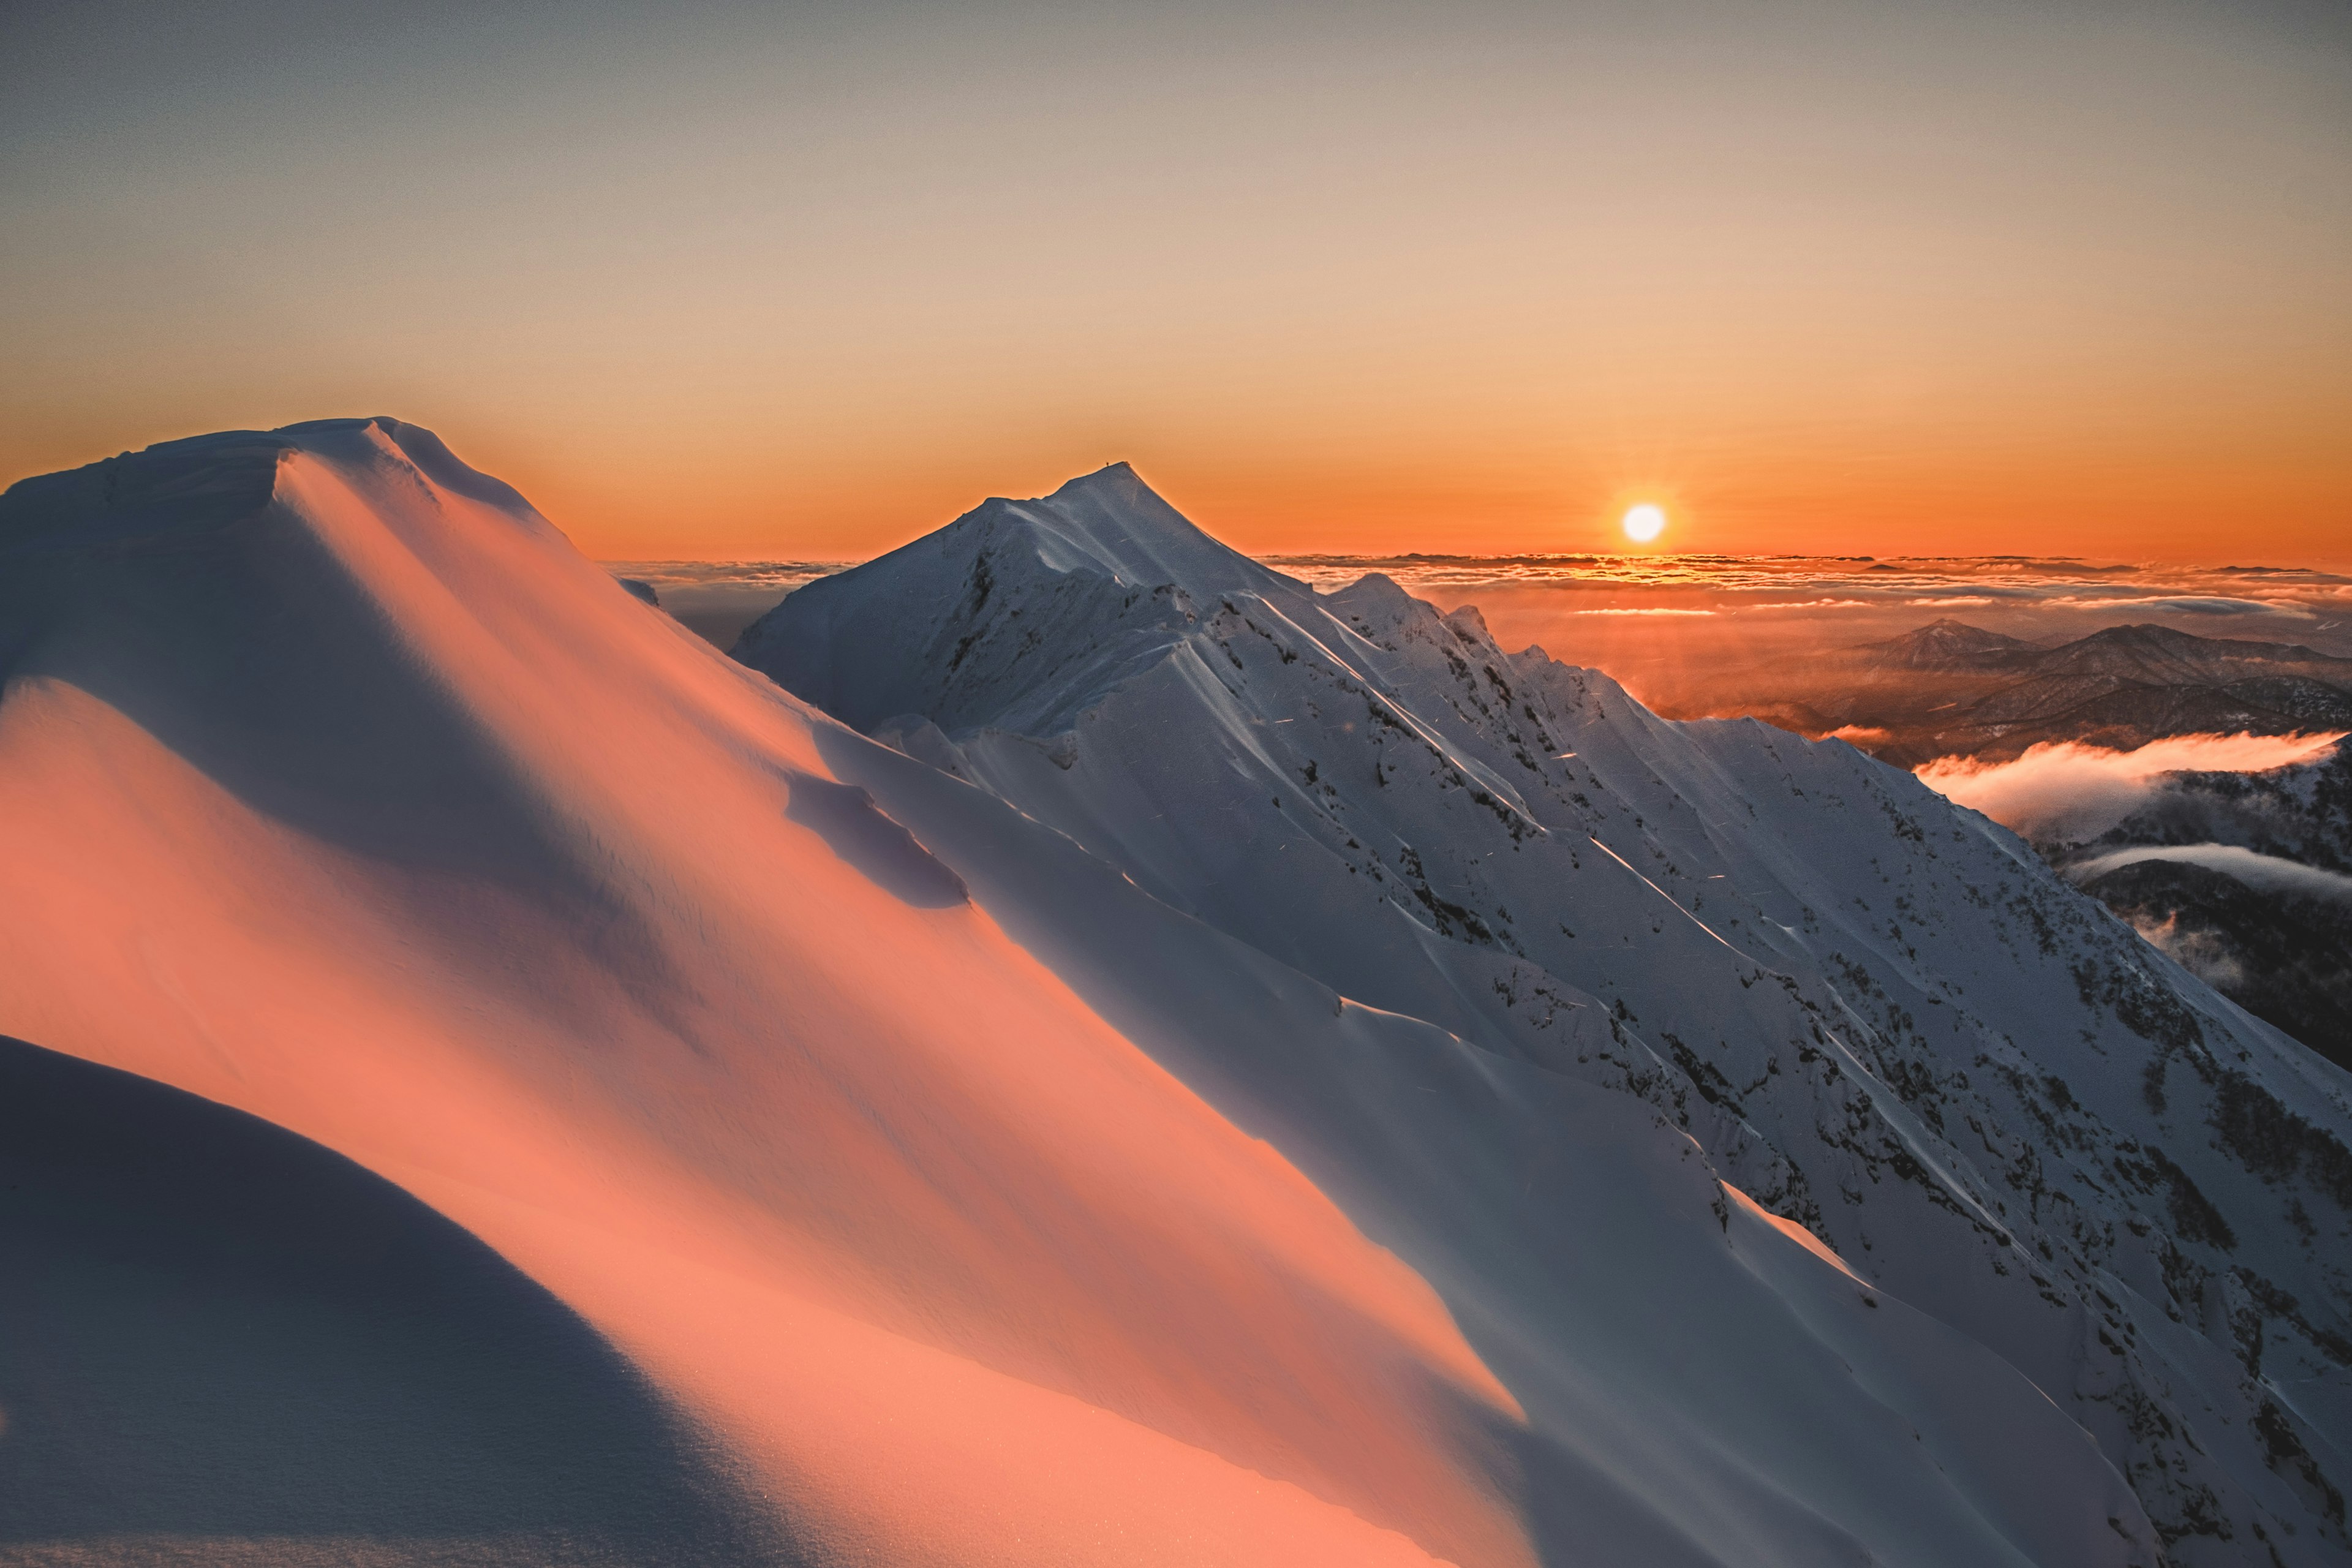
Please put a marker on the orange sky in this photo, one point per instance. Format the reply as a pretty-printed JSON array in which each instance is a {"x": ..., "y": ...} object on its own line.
[{"x": 1819, "y": 277}]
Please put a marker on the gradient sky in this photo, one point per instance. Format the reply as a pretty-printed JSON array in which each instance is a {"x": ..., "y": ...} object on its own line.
[{"x": 726, "y": 280}]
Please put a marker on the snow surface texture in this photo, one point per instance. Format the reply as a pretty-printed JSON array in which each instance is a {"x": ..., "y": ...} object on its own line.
[
  {"x": 602, "y": 1110},
  {"x": 1876, "y": 1014}
]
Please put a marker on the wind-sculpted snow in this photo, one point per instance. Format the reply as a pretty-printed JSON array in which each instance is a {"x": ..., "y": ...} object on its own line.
[
  {"x": 361, "y": 804},
  {"x": 1875, "y": 1012}
]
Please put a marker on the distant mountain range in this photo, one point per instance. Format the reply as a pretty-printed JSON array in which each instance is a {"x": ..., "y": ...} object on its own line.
[{"x": 1951, "y": 688}]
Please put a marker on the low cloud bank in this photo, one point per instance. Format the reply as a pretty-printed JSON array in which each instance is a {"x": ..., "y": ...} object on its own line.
[
  {"x": 2070, "y": 793},
  {"x": 2268, "y": 872},
  {"x": 1642, "y": 610}
]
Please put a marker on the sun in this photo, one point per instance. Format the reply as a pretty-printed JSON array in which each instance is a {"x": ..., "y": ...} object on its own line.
[{"x": 1645, "y": 522}]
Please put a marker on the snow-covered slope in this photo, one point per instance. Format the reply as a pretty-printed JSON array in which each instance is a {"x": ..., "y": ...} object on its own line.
[
  {"x": 335, "y": 787},
  {"x": 215, "y": 1332},
  {"x": 934, "y": 1197},
  {"x": 900, "y": 1181},
  {"x": 1876, "y": 1013}
]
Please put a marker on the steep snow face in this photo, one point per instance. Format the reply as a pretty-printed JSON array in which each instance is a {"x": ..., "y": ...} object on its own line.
[
  {"x": 1878, "y": 1014},
  {"x": 958, "y": 1200}
]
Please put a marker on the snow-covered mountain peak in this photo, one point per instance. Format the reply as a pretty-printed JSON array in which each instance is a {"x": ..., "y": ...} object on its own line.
[
  {"x": 1113, "y": 522},
  {"x": 1374, "y": 591},
  {"x": 203, "y": 483},
  {"x": 1880, "y": 1016},
  {"x": 1469, "y": 624},
  {"x": 1009, "y": 601}
]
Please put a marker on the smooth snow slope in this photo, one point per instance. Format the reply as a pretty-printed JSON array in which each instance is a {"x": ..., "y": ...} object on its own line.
[
  {"x": 334, "y": 786},
  {"x": 265, "y": 1342},
  {"x": 1876, "y": 1013}
]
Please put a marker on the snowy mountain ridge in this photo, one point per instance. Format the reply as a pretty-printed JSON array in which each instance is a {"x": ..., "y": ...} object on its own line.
[
  {"x": 1879, "y": 1014},
  {"x": 1270, "y": 1123},
  {"x": 1097, "y": 545}
]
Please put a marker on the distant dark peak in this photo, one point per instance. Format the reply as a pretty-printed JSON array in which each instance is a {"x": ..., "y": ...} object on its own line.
[
  {"x": 1941, "y": 642},
  {"x": 2144, "y": 631},
  {"x": 2147, "y": 637}
]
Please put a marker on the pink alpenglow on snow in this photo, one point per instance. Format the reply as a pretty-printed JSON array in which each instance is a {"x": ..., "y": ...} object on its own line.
[
  {"x": 489, "y": 879},
  {"x": 547, "y": 1093}
]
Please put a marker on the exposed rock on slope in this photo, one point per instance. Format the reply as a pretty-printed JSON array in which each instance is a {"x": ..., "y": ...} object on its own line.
[{"x": 2287, "y": 957}]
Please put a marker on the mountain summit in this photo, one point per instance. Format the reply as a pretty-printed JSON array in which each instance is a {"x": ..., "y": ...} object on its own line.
[
  {"x": 1060, "y": 574},
  {"x": 1250, "y": 1077},
  {"x": 1878, "y": 1014},
  {"x": 1945, "y": 644}
]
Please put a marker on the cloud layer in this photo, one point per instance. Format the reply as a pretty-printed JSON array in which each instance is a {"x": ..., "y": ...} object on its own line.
[
  {"x": 2268, "y": 872},
  {"x": 2067, "y": 792}
]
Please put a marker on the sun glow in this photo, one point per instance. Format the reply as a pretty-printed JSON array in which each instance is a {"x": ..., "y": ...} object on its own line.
[{"x": 1645, "y": 522}]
